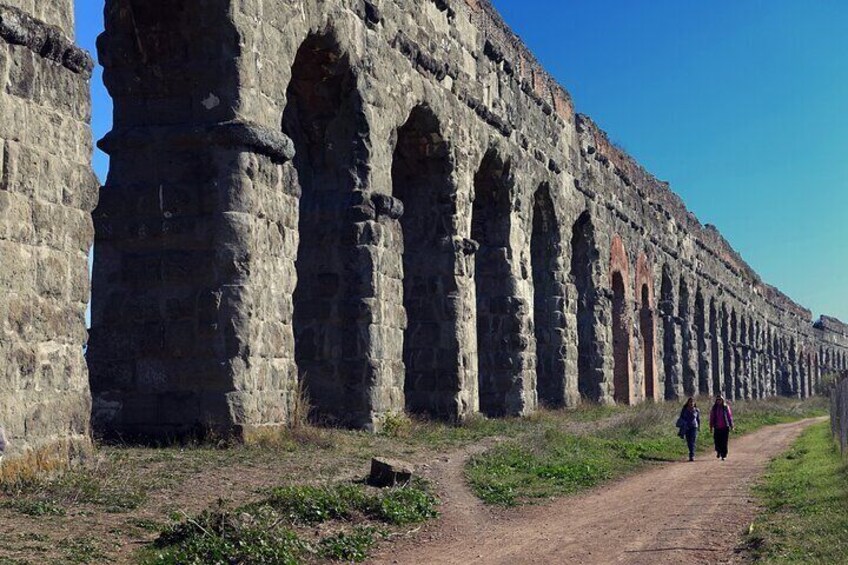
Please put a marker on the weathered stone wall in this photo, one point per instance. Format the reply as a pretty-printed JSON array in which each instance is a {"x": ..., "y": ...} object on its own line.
[
  {"x": 392, "y": 204},
  {"x": 839, "y": 410},
  {"x": 47, "y": 192}
]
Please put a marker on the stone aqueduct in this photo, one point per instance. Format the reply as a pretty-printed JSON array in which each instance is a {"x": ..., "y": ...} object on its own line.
[{"x": 386, "y": 201}]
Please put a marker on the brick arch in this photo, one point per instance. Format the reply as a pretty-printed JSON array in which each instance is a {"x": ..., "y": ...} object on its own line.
[
  {"x": 646, "y": 306},
  {"x": 622, "y": 343}
]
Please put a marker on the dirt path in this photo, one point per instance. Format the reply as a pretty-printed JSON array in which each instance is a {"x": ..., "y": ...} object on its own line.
[{"x": 693, "y": 512}]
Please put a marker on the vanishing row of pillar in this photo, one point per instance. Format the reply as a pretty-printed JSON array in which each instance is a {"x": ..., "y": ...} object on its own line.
[{"x": 470, "y": 325}]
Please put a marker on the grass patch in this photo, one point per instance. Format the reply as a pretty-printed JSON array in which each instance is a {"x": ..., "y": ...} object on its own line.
[
  {"x": 805, "y": 496},
  {"x": 113, "y": 493},
  {"x": 271, "y": 530},
  {"x": 80, "y": 550},
  {"x": 561, "y": 456},
  {"x": 33, "y": 507}
]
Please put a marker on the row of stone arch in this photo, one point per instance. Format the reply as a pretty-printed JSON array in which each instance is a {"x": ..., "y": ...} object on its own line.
[{"x": 518, "y": 352}]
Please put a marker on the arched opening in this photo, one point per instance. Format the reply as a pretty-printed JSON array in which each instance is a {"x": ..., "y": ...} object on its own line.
[
  {"x": 620, "y": 340},
  {"x": 701, "y": 344},
  {"x": 736, "y": 368},
  {"x": 728, "y": 353},
  {"x": 421, "y": 180},
  {"x": 714, "y": 348},
  {"x": 759, "y": 385},
  {"x": 496, "y": 330},
  {"x": 684, "y": 310},
  {"x": 793, "y": 368},
  {"x": 670, "y": 357},
  {"x": 584, "y": 261},
  {"x": 646, "y": 330},
  {"x": 547, "y": 296},
  {"x": 743, "y": 369},
  {"x": 810, "y": 372},
  {"x": 322, "y": 118}
]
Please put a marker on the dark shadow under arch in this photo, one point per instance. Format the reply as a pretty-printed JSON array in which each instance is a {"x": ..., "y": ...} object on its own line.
[
  {"x": 321, "y": 117},
  {"x": 497, "y": 330},
  {"x": 646, "y": 330},
  {"x": 584, "y": 262},
  {"x": 548, "y": 318},
  {"x": 620, "y": 340},
  {"x": 421, "y": 180}
]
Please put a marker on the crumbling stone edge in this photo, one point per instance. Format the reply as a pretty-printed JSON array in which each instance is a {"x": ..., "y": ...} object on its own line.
[
  {"x": 19, "y": 28},
  {"x": 273, "y": 144}
]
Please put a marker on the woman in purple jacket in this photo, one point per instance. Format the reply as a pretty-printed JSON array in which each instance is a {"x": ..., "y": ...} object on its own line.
[{"x": 721, "y": 423}]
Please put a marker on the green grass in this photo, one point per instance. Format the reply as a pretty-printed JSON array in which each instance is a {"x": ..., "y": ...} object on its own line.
[
  {"x": 805, "y": 496},
  {"x": 557, "y": 458},
  {"x": 270, "y": 530}
]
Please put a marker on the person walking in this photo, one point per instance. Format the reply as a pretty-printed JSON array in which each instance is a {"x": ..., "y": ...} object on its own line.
[
  {"x": 690, "y": 420},
  {"x": 721, "y": 424}
]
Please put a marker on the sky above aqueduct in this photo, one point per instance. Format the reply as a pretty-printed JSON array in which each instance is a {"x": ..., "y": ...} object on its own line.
[{"x": 742, "y": 106}]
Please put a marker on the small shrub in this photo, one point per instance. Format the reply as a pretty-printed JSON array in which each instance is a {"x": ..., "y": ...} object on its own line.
[
  {"x": 406, "y": 505},
  {"x": 80, "y": 550},
  {"x": 37, "y": 507},
  {"x": 263, "y": 531},
  {"x": 348, "y": 546},
  {"x": 313, "y": 505},
  {"x": 396, "y": 425}
]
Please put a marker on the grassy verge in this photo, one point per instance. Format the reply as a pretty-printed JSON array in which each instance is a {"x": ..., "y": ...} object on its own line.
[
  {"x": 555, "y": 459},
  {"x": 805, "y": 496},
  {"x": 165, "y": 500},
  {"x": 292, "y": 525}
]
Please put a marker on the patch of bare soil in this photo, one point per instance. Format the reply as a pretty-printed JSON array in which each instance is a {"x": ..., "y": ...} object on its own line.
[{"x": 681, "y": 512}]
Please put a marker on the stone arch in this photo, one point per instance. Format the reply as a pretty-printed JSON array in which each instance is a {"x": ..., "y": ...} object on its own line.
[
  {"x": 810, "y": 373},
  {"x": 421, "y": 180},
  {"x": 322, "y": 119},
  {"x": 727, "y": 350},
  {"x": 743, "y": 369},
  {"x": 779, "y": 377},
  {"x": 548, "y": 317},
  {"x": 817, "y": 372},
  {"x": 761, "y": 389},
  {"x": 793, "y": 368},
  {"x": 702, "y": 345},
  {"x": 671, "y": 358},
  {"x": 497, "y": 332},
  {"x": 621, "y": 323},
  {"x": 715, "y": 349},
  {"x": 768, "y": 357},
  {"x": 684, "y": 312},
  {"x": 736, "y": 368},
  {"x": 647, "y": 326},
  {"x": 584, "y": 263}
]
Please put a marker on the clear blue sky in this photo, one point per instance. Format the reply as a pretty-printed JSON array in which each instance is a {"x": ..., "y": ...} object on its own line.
[{"x": 741, "y": 105}]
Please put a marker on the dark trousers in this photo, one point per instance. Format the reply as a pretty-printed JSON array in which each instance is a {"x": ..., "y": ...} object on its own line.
[
  {"x": 720, "y": 437},
  {"x": 691, "y": 438}
]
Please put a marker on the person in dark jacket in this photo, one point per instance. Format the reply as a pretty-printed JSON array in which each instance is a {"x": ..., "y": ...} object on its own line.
[
  {"x": 721, "y": 424},
  {"x": 690, "y": 420}
]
